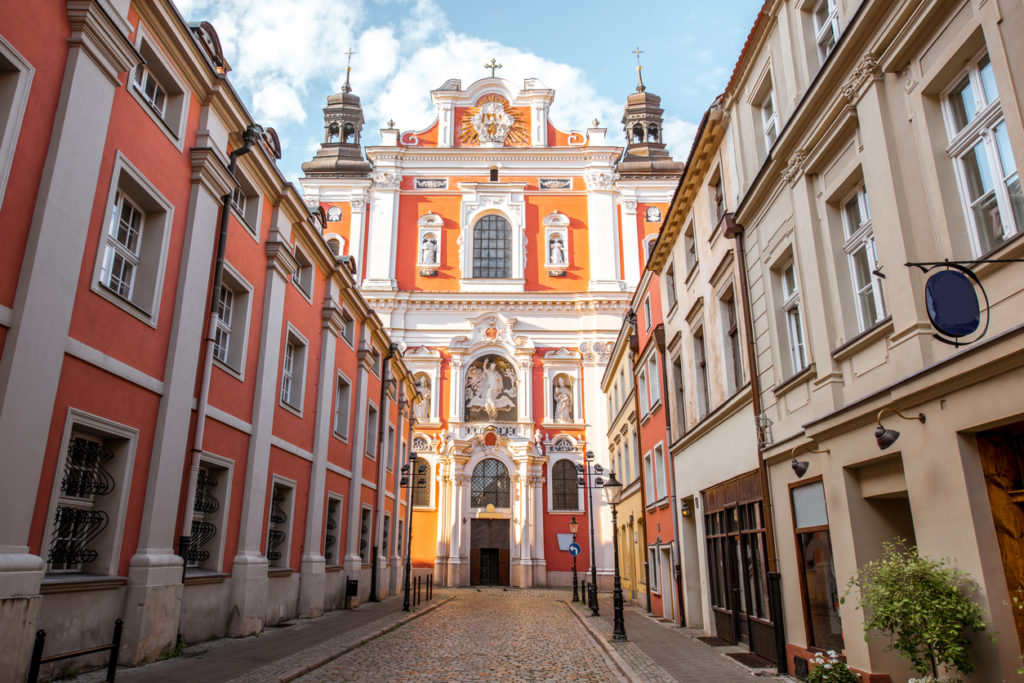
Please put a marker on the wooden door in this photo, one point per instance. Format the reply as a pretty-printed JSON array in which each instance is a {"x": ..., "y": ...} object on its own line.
[{"x": 503, "y": 570}]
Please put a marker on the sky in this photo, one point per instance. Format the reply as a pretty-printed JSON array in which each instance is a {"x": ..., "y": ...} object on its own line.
[{"x": 287, "y": 56}]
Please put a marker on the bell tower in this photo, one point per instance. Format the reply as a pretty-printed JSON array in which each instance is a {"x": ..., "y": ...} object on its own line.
[
  {"x": 642, "y": 122},
  {"x": 340, "y": 152}
]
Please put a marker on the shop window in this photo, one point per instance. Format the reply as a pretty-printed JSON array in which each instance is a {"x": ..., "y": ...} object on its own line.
[{"x": 817, "y": 568}]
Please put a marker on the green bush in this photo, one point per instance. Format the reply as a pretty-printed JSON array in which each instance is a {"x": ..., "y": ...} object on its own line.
[{"x": 923, "y": 605}]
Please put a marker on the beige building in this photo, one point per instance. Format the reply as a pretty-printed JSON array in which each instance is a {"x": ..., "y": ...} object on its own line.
[
  {"x": 623, "y": 447},
  {"x": 863, "y": 136}
]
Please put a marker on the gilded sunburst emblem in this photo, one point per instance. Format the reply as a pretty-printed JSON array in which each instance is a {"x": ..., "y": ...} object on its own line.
[{"x": 492, "y": 119}]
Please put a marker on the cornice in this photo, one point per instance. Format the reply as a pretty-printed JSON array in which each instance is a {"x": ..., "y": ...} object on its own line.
[
  {"x": 454, "y": 301},
  {"x": 102, "y": 34},
  {"x": 208, "y": 170}
]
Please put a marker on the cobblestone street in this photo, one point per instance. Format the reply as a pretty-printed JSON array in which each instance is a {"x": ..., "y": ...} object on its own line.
[{"x": 490, "y": 634}]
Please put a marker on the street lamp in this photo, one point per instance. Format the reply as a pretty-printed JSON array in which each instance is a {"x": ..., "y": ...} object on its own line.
[
  {"x": 613, "y": 493},
  {"x": 574, "y": 526},
  {"x": 413, "y": 477},
  {"x": 583, "y": 481}
]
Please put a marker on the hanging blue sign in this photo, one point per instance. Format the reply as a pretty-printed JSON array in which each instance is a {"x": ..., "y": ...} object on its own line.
[
  {"x": 952, "y": 303},
  {"x": 574, "y": 549}
]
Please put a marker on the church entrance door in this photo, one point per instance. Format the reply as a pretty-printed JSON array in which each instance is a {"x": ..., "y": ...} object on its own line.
[{"x": 489, "y": 552}]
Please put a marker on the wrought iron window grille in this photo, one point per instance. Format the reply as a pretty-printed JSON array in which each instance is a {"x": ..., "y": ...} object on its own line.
[
  {"x": 490, "y": 485},
  {"x": 84, "y": 475},
  {"x": 73, "y": 532},
  {"x": 202, "y": 533},
  {"x": 274, "y": 539}
]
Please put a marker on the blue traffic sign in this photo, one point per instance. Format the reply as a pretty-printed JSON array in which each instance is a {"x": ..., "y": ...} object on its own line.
[{"x": 574, "y": 549}]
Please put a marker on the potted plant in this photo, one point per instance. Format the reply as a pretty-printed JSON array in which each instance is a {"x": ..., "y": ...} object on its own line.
[
  {"x": 922, "y": 604},
  {"x": 828, "y": 668}
]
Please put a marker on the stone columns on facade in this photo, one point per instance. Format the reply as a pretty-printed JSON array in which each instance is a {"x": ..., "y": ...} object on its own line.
[
  {"x": 442, "y": 504},
  {"x": 603, "y": 232},
  {"x": 631, "y": 244},
  {"x": 30, "y": 368},
  {"x": 382, "y": 238},
  {"x": 540, "y": 573},
  {"x": 458, "y": 482},
  {"x": 523, "y": 571},
  {"x": 313, "y": 577},
  {"x": 357, "y": 229},
  {"x": 249, "y": 571},
  {"x": 353, "y": 560}
]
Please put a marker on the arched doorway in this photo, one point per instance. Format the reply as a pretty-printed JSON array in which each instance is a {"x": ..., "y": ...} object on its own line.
[{"x": 490, "y": 532}]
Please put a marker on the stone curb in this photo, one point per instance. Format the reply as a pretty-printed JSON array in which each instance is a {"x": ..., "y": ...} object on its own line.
[
  {"x": 628, "y": 673},
  {"x": 317, "y": 663}
]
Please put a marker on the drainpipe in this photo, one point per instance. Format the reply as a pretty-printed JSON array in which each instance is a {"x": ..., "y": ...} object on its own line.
[
  {"x": 634, "y": 351},
  {"x": 735, "y": 231},
  {"x": 250, "y": 138},
  {"x": 382, "y": 419},
  {"x": 659, "y": 339}
]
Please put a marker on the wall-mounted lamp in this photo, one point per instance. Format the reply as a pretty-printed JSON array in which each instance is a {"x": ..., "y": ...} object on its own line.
[
  {"x": 684, "y": 508},
  {"x": 887, "y": 437},
  {"x": 800, "y": 466}
]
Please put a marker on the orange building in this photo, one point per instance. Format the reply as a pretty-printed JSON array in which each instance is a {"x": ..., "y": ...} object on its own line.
[
  {"x": 196, "y": 403},
  {"x": 500, "y": 252}
]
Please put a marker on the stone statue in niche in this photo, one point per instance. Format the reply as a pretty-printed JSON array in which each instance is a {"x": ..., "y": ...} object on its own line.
[
  {"x": 421, "y": 409},
  {"x": 563, "y": 399},
  {"x": 556, "y": 250},
  {"x": 428, "y": 249},
  {"x": 491, "y": 389}
]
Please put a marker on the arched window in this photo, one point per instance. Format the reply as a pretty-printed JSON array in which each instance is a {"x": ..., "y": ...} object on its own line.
[
  {"x": 652, "y": 134},
  {"x": 564, "y": 491},
  {"x": 638, "y": 133},
  {"x": 490, "y": 485},
  {"x": 332, "y": 133},
  {"x": 424, "y": 481},
  {"x": 350, "y": 133},
  {"x": 492, "y": 248}
]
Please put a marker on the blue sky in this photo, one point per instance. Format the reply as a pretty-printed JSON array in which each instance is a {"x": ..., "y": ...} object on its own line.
[{"x": 288, "y": 55}]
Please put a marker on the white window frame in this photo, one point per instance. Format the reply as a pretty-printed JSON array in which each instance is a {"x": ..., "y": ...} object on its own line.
[
  {"x": 235, "y": 330},
  {"x": 293, "y": 368},
  {"x": 302, "y": 278},
  {"x": 857, "y": 239},
  {"x": 650, "y": 479},
  {"x": 339, "y": 403},
  {"x": 348, "y": 329},
  {"x": 288, "y": 526},
  {"x": 641, "y": 376},
  {"x": 981, "y": 131},
  {"x": 702, "y": 385},
  {"x": 690, "y": 248},
  {"x": 653, "y": 383},
  {"x": 793, "y": 318},
  {"x": 172, "y": 114},
  {"x": 660, "y": 474},
  {"x": 670, "y": 286},
  {"x": 654, "y": 567},
  {"x": 647, "y": 313},
  {"x": 769, "y": 121},
  {"x": 339, "y": 549},
  {"x": 150, "y": 259},
  {"x": 124, "y": 442},
  {"x": 246, "y": 204},
  {"x": 387, "y": 452},
  {"x": 826, "y": 27},
  {"x": 732, "y": 349},
  {"x": 16, "y": 76},
  {"x": 372, "y": 425}
]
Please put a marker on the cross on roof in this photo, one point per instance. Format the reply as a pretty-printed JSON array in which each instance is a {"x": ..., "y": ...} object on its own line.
[
  {"x": 492, "y": 66},
  {"x": 639, "y": 76},
  {"x": 349, "y": 53},
  {"x": 638, "y": 52}
]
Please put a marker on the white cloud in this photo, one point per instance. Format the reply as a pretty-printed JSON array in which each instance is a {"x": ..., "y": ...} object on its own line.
[
  {"x": 678, "y": 136},
  {"x": 276, "y": 104}
]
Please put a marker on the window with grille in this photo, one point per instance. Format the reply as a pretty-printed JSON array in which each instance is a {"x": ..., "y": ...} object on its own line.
[
  {"x": 79, "y": 518},
  {"x": 279, "y": 526},
  {"x": 492, "y": 248},
  {"x": 386, "y": 538},
  {"x": 564, "y": 491},
  {"x": 204, "y": 520},
  {"x": 365, "y": 522},
  {"x": 332, "y": 532},
  {"x": 490, "y": 485}
]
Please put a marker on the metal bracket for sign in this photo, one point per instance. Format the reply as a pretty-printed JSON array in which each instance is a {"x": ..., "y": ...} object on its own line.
[{"x": 949, "y": 337}]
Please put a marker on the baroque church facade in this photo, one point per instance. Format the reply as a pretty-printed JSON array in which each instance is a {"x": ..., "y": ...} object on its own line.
[{"x": 500, "y": 253}]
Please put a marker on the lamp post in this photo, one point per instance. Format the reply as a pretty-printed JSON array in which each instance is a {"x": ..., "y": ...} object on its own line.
[
  {"x": 574, "y": 526},
  {"x": 613, "y": 494},
  {"x": 413, "y": 477},
  {"x": 583, "y": 481}
]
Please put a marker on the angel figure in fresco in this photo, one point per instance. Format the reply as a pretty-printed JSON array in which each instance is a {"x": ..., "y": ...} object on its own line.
[
  {"x": 563, "y": 400},
  {"x": 485, "y": 388}
]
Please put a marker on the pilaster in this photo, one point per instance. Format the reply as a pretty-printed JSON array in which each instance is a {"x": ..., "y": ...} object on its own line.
[{"x": 602, "y": 231}]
